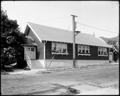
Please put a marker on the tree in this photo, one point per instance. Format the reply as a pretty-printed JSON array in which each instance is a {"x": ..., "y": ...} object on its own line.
[{"x": 11, "y": 40}]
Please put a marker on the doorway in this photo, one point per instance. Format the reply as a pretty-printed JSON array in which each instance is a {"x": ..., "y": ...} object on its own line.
[{"x": 30, "y": 51}]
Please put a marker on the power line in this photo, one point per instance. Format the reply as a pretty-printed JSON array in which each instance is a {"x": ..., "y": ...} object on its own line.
[{"x": 95, "y": 27}]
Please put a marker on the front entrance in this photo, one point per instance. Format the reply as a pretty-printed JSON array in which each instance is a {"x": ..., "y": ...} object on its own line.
[{"x": 30, "y": 52}]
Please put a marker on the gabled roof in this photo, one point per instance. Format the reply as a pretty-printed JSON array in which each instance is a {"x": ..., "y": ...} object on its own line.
[{"x": 45, "y": 33}]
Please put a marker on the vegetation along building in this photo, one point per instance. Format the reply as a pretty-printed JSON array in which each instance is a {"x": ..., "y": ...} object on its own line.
[{"x": 52, "y": 47}]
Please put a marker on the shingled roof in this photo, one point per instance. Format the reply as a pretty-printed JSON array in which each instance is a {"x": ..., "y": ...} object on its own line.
[{"x": 45, "y": 33}]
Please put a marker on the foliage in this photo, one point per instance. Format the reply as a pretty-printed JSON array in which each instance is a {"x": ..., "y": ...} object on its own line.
[
  {"x": 111, "y": 42},
  {"x": 11, "y": 40}
]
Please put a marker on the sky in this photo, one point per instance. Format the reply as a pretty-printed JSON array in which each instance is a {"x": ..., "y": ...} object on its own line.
[{"x": 99, "y": 18}]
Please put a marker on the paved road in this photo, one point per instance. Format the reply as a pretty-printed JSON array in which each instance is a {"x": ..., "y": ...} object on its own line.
[{"x": 57, "y": 82}]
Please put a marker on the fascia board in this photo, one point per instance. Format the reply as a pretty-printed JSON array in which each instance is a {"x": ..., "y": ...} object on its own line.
[{"x": 34, "y": 32}]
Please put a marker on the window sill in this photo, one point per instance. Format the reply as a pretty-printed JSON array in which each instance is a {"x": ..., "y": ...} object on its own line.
[
  {"x": 103, "y": 55},
  {"x": 60, "y": 53},
  {"x": 84, "y": 54}
]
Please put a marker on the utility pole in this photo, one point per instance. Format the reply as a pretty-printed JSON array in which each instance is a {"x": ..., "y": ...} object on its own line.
[{"x": 74, "y": 27}]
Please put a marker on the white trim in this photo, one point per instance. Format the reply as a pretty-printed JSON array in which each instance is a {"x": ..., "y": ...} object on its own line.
[
  {"x": 101, "y": 49},
  {"x": 59, "y": 45},
  {"x": 60, "y": 53},
  {"x": 84, "y": 48},
  {"x": 44, "y": 54},
  {"x": 103, "y": 55},
  {"x": 44, "y": 49},
  {"x": 34, "y": 32},
  {"x": 84, "y": 54}
]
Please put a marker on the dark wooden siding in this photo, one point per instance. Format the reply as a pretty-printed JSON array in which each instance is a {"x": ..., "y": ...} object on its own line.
[
  {"x": 40, "y": 48},
  {"x": 93, "y": 52}
]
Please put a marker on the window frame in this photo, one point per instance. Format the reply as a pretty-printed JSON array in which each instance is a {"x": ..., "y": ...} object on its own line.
[
  {"x": 83, "y": 50},
  {"x": 59, "y": 49},
  {"x": 32, "y": 49},
  {"x": 103, "y": 51}
]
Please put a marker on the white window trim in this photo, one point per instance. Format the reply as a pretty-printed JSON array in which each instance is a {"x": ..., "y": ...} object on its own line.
[
  {"x": 84, "y": 54},
  {"x": 60, "y": 53},
  {"x": 34, "y": 32},
  {"x": 61, "y": 47},
  {"x": 101, "y": 48},
  {"x": 103, "y": 55},
  {"x": 87, "y": 48}
]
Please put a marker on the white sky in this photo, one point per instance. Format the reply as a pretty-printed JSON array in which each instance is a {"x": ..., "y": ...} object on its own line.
[{"x": 100, "y": 14}]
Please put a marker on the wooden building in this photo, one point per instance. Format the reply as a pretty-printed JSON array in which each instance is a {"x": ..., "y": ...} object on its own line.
[{"x": 54, "y": 47}]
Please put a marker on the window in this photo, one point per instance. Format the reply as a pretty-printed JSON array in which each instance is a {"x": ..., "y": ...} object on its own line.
[
  {"x": 29, "y": 48},
  {"x": 87, "y": 49},
  {"x": 83, "y": 50},
  {"x": 32, "y": 49},
  {"x": 102, "y": 51},
  {"x": 59, "y": 48}
]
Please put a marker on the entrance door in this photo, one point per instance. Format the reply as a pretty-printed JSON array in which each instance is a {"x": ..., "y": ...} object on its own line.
[{"x": 30, "y": 51}]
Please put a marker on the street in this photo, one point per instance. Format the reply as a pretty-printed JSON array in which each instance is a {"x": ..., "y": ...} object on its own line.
[{"x": 86, "y": 80}]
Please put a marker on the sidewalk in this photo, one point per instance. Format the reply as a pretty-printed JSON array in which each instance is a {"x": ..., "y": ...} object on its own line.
[
  {"x": 34, "y": 71},
  {"x": 114, "y": 63}
]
